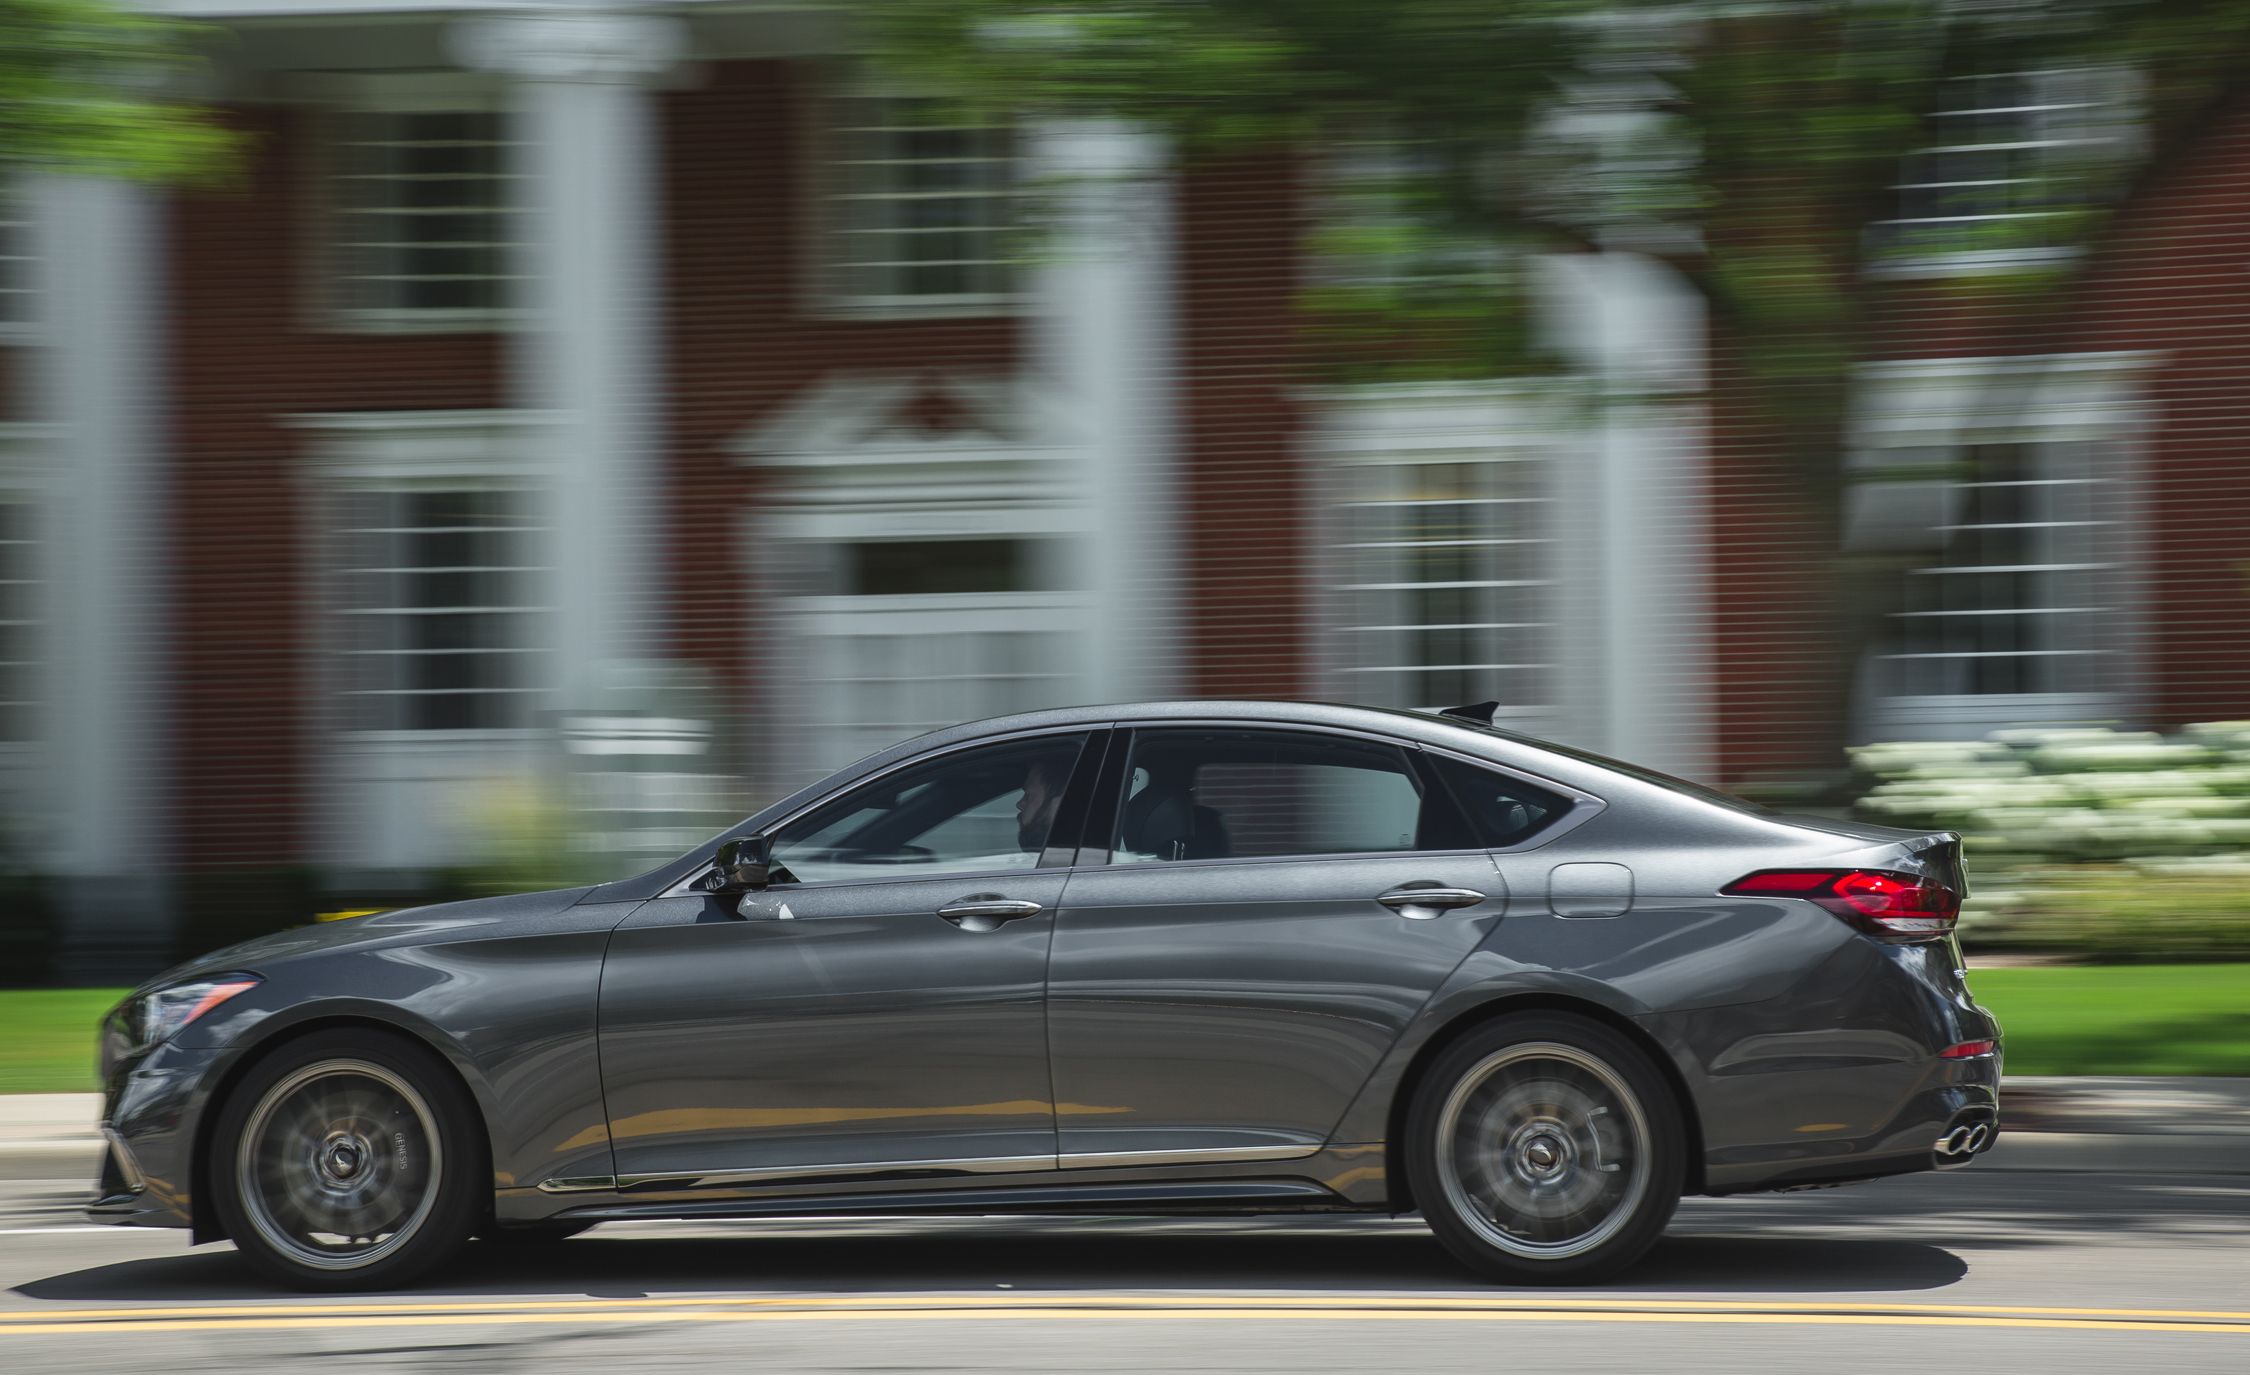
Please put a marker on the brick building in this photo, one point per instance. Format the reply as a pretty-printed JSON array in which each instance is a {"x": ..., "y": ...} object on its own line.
[{"x": 537, "y": 351}]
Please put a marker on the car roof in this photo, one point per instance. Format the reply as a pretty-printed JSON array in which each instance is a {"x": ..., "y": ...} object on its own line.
[{"x": 1425, "y": 727}]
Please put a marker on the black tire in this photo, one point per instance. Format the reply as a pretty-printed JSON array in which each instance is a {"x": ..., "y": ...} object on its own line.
[
  {"x": 1545, "y": 1148},
  {"x": 295, "y": 1147}
]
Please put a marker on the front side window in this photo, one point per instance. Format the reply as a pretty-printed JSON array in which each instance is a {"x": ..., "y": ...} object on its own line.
[
  {"x": 1249, "y": 794},
  {"x": 422, "y": 219},
  {"x": 983, "y": 809}
]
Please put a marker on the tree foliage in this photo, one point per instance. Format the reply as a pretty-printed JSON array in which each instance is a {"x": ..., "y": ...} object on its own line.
[
  {"x": 88, "y": 86},
  {"x": 1756, "y": 146}
]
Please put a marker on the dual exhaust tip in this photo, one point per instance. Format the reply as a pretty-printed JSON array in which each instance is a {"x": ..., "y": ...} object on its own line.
[{"x": 1964, "y": 1141}]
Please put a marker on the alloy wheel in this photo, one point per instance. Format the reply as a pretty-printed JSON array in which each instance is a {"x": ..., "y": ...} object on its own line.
[
  {"x": 339, "y": 1164},
  {"x": 1544, "y": 1150}
]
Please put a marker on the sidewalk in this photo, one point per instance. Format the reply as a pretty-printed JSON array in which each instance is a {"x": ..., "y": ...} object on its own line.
[{"x": 2147, "y": 1126}]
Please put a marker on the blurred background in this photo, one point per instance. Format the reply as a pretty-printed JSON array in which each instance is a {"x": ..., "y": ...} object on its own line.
[{"x": 456, "y": 448}]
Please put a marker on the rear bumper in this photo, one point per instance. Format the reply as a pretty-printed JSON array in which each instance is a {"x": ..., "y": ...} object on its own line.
[{"x": 1842, "y": 1078}]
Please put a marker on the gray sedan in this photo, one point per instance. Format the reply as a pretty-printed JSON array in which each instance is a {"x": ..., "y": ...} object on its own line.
[{"x": 1215, "y": 957}]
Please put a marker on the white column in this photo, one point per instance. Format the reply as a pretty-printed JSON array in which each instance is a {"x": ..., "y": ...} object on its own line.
[
  {"x": 588, "y": 355},
  {"x": 1636, "y": 659},
  {"x": 1102, "y": 331},
  {"x": 100, "y": 385}
]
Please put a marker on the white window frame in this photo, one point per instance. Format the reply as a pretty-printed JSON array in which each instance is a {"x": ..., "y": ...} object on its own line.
[
  {"x": 346, "y": 98},
  {"x": 2097, "y": 119},
  {"x": 827, "y": 228},
  {"x": 407, "y": 451},
  {"x": 1919, "y": 414},
  {"x": 21, "y": 285},
  {"x": 1405, "y": 424},
  {"x": 26, "y": 478}
]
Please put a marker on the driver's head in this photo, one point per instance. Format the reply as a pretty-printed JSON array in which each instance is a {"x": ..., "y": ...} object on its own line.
[{"x": 1042, "y": 793}]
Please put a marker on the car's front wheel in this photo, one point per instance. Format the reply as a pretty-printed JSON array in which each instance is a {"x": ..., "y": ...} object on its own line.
[
  {"x": 348, "y": 1160},
  {"x": 1545, "y": 1148}
]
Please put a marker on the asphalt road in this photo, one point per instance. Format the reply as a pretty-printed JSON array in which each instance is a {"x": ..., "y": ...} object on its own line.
[{"x": 1987, "y": 1272}]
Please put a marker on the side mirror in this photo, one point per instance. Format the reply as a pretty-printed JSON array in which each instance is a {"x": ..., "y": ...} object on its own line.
[{"x": 745, "y": 865}]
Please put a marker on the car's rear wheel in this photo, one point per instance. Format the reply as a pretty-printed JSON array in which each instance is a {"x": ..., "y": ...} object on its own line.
[
  {"x": 1545, "y": 1148},
  {"x": 348, "y": 1160}
]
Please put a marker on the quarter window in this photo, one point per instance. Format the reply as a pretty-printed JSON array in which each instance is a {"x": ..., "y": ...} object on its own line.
[
  {"x": 985, "y": 809},
  {"x": 1264, "y": 794},
  {"x": 1503, "y": 810}
]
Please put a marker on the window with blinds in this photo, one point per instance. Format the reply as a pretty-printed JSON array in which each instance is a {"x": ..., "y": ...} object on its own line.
[
  {"x": 2021, "y": 599},
  {"x": 423, "y": 219},
  {"x": 438, "y": 626},
  {"x": 1445, "y": 584},
  {"x": 920, "y": 207}
]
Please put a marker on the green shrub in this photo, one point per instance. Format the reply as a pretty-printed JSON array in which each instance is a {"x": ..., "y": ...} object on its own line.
[{"x": 2114, "y": 844}]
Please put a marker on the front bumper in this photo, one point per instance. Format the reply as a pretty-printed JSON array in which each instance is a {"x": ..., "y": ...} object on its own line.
[{"x": 150, "y": 1115}]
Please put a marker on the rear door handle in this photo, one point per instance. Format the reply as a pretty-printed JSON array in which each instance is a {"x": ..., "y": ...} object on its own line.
[
  {"x": 988, "y": 911},
  {"x": 1420, "y": 902}
]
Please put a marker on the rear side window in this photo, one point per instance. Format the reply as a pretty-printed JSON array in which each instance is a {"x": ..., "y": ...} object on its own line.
[
  {"x": 1252, "y": 794},
  {"x": 1502, "y": 809}
]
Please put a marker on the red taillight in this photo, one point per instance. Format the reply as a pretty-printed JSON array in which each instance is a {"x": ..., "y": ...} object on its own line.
[
  {"x": 1968, "y": 1050},
  {"x": 1899, "y": 907}
]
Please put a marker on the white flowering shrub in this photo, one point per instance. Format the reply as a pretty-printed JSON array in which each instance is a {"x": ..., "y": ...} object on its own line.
[{"x": 2117, "y": 844}]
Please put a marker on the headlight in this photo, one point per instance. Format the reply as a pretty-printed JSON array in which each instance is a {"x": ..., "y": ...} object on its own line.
[{"x": 154, "y": 1018}]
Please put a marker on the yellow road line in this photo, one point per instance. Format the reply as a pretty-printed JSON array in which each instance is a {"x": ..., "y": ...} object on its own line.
[
  {"x": 1162, "y": 1302},
  {"x": 989, "y": 1314},
  {"x": 730, "y": 1308}
]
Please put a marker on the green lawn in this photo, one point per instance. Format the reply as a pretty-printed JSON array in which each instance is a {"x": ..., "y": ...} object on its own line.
[
  {"x": 2121, "y": 1018},
  {"x": 2076, "y": 1019},
  {"x": 47, "y": 1038}
]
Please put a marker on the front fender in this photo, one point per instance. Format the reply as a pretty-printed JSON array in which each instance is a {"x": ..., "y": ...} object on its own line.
[{"x": 511, "y": 1010}]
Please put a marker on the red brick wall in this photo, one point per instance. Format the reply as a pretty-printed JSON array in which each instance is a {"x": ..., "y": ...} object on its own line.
[
  {"x": 1243, "y": 486},
  {"x": 2175, "y": 278},
  {"x": 242, "y": 355},
  {"x": 1771, "y": 611}
]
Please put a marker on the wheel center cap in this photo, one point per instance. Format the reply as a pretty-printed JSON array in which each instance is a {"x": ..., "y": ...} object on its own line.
[
  {"x": 343, "y": 1159},
  {"x": 1542, "y": 1152}
]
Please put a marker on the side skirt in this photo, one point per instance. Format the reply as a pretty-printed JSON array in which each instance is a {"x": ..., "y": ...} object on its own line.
[{"x": 1183, "y": 1196}]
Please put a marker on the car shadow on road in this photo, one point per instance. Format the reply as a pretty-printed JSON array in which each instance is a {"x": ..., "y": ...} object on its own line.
[{"x": 1093, "y": 1257}]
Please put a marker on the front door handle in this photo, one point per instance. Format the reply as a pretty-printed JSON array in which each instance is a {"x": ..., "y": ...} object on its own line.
[
  {"x": 988, "y": 911},
  {"x": 1420, "y": 902}
]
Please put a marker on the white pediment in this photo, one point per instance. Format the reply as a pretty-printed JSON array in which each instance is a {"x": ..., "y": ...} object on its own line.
[{"x": 891, "y": 417}]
